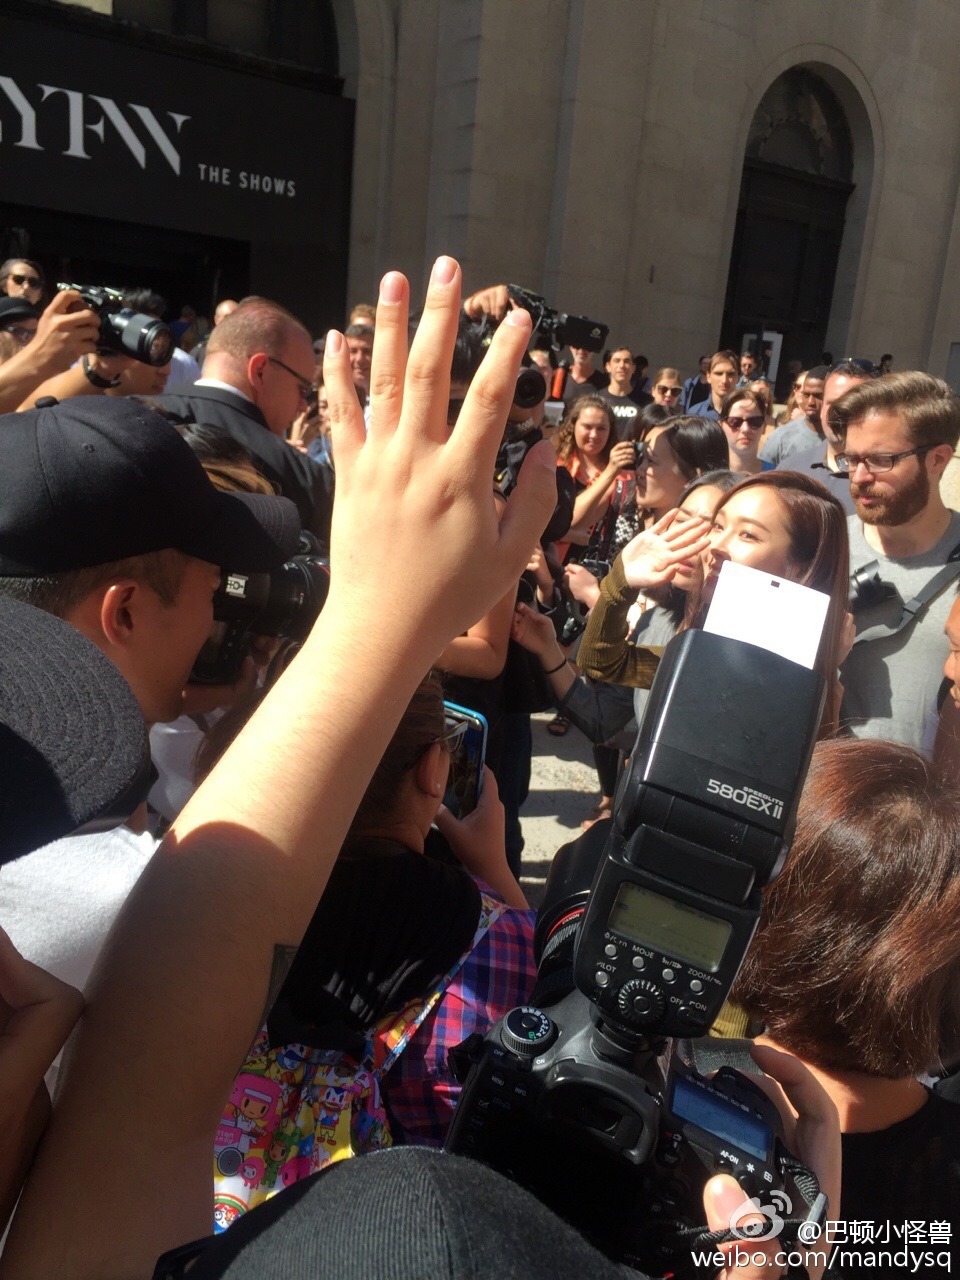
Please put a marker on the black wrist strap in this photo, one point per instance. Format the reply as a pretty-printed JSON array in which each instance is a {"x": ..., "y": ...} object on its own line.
[{"x": 95, "y": 379}]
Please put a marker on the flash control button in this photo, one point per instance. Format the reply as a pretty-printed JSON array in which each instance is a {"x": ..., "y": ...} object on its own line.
[
  {"x": 641, "y": 1001},
  {"x": 696, "y": 986},
  {"x": 610, "y": 951},
  {"x": 669, "y": 975},
  {"x": 602, "y": 978},
  {"x": 639, "y": 962}
]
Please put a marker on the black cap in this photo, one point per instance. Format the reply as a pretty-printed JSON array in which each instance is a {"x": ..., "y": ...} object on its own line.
[
  {"x": 73, "y": 744},
  {"x": 14, "y": 309},
  {"x": 405, "y": 1213},
  {"x": 95, "y": 479}
]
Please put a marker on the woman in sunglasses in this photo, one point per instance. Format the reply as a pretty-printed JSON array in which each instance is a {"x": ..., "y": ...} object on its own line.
[
  {"x": 667, "y": 389},
  {"x": 21, "y": 278},
  {"x": 743, "y": 416}
]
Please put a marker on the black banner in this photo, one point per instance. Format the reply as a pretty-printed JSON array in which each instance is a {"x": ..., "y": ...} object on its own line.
[{"x": 97, "y": 126}]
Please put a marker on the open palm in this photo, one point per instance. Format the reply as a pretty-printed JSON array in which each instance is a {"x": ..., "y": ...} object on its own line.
[{"x": 654, "y": 556}]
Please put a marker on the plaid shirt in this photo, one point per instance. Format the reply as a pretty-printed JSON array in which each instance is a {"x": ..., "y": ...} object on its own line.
[{"x": 420, "y": 1091}]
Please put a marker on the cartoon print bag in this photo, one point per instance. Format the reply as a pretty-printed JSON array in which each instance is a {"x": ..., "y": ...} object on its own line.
[{"x": 294, "y": 1110}]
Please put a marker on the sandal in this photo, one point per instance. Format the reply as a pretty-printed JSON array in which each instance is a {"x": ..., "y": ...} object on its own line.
[
  {"x": 558, "y": 726},
  {"x": 598, "y": 814}
]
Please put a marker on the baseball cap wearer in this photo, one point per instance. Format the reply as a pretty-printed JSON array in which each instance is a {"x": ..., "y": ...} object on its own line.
[
  {"x": 14, "y": 309},
  {"x": 73, "y": 743},
  {"x": 95, "y": 479}
]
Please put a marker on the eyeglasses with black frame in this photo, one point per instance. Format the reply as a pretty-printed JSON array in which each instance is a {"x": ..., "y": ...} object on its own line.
[
  {"x": 307, "y": 391},
  {"x": 32, "y": 281},
  {"x": 879, "y": 463}
]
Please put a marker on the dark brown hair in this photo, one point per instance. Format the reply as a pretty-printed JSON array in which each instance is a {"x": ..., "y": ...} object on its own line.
[
  {"x": 743, "y": 393},
  {"x": 566, "y": 440},
  {"x": 856, "y": 962},
  {"x": 928, "y": 407},
  {"x": 59, "y": 593}
]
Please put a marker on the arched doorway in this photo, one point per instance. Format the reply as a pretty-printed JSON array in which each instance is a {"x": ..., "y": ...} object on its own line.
[{"x": 797, "y": 179}]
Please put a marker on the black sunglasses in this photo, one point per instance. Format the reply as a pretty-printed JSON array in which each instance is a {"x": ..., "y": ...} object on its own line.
[
  {"x": 306, "y": 388},
  {"x": 32, "y": 281}
]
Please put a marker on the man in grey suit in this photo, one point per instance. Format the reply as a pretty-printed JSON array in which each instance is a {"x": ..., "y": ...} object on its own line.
[{"x": 257, "y": 376}]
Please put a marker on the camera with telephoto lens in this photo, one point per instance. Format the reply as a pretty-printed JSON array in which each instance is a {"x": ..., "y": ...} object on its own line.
[
  {"x": 584, "y": 1096},
  {"x": 285, "y": 603},
  {"x": 124, "y": 332}
]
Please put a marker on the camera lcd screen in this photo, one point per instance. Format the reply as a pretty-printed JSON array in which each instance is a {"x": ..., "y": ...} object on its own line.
[
  {"x": 728, "y": 1123},
  {"x": 676, "y": 930}
]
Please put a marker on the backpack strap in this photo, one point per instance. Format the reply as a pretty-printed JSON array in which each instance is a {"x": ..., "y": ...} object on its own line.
[{"x": 912, "y": 607}]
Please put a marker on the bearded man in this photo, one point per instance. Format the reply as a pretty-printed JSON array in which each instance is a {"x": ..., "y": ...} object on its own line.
[{"x": 897, "y": 434}]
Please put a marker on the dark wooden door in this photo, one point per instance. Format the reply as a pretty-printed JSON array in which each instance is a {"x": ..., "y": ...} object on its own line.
[{"x": 784, "y": 261}]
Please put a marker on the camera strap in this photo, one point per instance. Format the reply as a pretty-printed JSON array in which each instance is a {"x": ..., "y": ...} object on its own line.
[{"x": 913, "y": 606}]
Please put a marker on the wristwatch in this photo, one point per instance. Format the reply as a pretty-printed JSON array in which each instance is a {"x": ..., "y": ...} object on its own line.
[{"x": 93, "y": 377}]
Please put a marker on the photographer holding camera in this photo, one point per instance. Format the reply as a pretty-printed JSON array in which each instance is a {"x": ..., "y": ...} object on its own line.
[{"x": 109, "y": 522}]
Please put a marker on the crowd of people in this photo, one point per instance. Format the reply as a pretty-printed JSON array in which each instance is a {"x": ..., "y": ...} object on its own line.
[{"x": 243, "y": 931}]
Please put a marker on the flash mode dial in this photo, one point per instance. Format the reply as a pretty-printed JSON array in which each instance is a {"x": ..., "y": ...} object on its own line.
[{"x": 641, "y": 1000}]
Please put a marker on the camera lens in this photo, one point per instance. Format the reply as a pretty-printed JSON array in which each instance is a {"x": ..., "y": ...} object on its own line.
[
  {"x": 143, "y": 337},
  {"x": 531, "y": 389}
]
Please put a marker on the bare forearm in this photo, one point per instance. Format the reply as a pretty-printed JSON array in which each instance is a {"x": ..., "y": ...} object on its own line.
[
  {"x": 20, "y": 376},
  {"x": 590, "y": 505},
  {"x": 471, "y": 657},
  {"x": 62, "y": 386},
  {"x": 173, "y": 973}
]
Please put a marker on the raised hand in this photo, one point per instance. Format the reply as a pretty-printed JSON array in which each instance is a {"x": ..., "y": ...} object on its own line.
[
  {"x": 416, "y": 495},
  {"x": 654, "y": 556}
]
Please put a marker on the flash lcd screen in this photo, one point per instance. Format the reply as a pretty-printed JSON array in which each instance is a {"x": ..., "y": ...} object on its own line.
[{"x": 670, "y": 927}]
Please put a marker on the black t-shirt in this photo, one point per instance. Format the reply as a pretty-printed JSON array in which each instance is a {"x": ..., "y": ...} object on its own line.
[
  {"x": 903, "y": 1180},
  {"x": 573, "y": 390},
  {"x": 626, "y": 410}
]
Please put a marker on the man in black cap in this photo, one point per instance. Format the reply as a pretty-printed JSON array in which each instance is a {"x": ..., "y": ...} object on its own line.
[{"x": 108, "y": 520}]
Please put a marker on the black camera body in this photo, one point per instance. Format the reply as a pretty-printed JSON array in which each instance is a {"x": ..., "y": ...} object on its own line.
[
  {"x": 578, "y": 1095},
  {"x": 124, "y": 332},
  {"x": 559, "y": 328},
  {"x": 285, "y": 603}
]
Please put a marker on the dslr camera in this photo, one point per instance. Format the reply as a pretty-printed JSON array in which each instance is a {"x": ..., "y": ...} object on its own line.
[
  {"x": 588, "y": 1096},
  {"x": 124, "y": 332},
  {"x": 285, "y": 603}
]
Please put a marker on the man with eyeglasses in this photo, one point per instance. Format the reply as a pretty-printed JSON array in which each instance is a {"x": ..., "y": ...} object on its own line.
[
  {"x": 619, "y": 393},
  {"x": 896, "y": 435},
  {"x": 257, "y": 377},
  {"x": 820, "y": 460},
  {"x": 800, "y": 434}
]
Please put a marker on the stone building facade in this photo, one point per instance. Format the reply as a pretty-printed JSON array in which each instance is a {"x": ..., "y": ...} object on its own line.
[{"x": 594, "y": 150}]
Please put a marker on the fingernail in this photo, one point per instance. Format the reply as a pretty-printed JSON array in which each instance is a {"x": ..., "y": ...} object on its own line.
[
  {"x": 444, "y": 270},
  {"x": 391, "y": 287},
  {"x": 334, "y": 342},
  {"x": 517, "y": 317}
]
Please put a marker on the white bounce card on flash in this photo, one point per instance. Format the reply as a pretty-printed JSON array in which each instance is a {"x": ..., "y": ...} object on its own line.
[{"x": 767, "y": 611}]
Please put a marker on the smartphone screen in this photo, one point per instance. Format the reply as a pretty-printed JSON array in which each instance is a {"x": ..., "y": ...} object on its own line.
[{"x": 466, "y": 759}]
